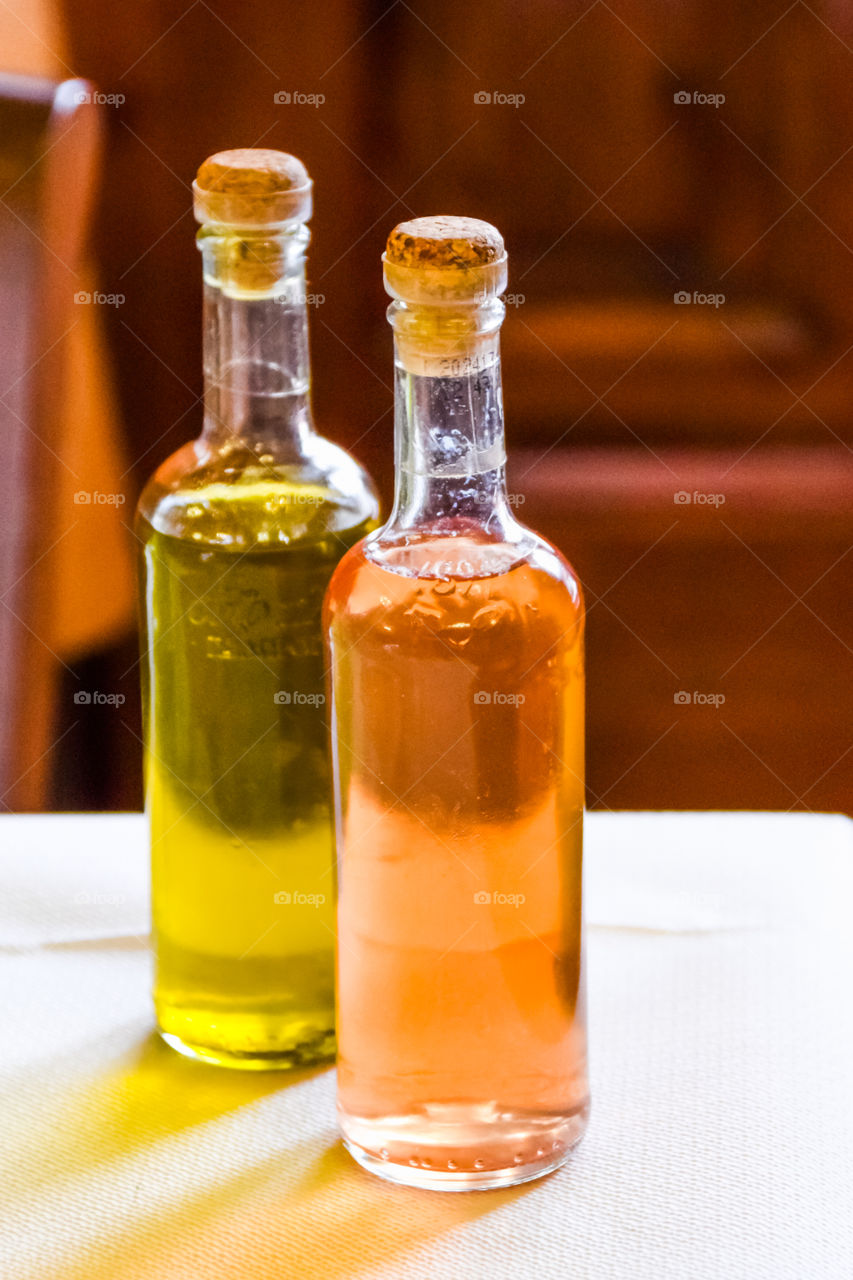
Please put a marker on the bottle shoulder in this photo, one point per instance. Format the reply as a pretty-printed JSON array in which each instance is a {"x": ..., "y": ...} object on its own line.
[
  {"x": 466, "y": 549},
  {"x": 390, "y": 564},
  {"x": 231, "y": 497},
  {"x": 341, "y": 471},
  {"x": 550, "y": 560}
]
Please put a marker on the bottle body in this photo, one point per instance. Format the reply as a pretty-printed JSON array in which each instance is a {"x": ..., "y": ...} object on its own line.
[
  {"x": 237, "y": 785},
  {"x": 455, "y": 651},
  {"x": 458, "y": 753}
]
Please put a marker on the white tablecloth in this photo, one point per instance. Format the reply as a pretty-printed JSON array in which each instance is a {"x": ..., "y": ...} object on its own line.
[{"x": 721, "y": 1139}]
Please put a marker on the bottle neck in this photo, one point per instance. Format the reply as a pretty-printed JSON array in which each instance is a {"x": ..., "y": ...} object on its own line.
[
  {"x": 448, "y": 421},
  {"x": 256, "y": 366}
]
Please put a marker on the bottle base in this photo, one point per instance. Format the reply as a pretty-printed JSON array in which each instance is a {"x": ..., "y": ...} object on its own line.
[
  {"x": 454, "y": 1148},
  {"x": 247, "y": 1035},
  {"x": 310, "y": 1052}
]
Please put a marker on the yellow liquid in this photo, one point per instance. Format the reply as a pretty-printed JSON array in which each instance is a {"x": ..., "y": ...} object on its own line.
[{"x": 237, "y": 781}]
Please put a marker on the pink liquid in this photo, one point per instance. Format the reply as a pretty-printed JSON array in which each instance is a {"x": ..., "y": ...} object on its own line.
[{"x": 458, "y": 749}]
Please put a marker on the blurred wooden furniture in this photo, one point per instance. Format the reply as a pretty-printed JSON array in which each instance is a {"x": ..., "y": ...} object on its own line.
[
  {"x": 614, "y": 196},
  {"x": 675, "y": 192},
  {"x": 48, "y": 166},
  {"x": 718, "y": 635}
]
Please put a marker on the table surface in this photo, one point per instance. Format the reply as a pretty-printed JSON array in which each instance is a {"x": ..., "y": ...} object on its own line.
[{"x": 721, "y": 1138}]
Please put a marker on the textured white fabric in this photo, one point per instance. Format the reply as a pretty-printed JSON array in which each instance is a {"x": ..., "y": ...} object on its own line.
[{"x": 721, "y": 1140}]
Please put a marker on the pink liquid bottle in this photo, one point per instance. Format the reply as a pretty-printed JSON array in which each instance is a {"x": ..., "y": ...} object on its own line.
[{"x": 455, "y": 654}]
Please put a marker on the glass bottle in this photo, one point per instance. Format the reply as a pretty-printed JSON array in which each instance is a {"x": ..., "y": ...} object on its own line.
[
  {"x": 456, "y": 675},
  {"x": 240, "y": 531}
]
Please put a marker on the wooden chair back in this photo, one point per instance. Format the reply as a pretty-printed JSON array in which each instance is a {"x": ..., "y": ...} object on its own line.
[{"x": 49, "y": 152}]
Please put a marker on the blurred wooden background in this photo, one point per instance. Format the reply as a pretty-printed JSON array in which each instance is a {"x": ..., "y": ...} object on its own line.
[{"x": 615, "y": 195}]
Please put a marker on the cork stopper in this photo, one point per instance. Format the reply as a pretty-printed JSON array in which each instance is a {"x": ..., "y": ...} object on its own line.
[
  {"x": 445, "y": 261},
  {"x": 249, "y": 188}
]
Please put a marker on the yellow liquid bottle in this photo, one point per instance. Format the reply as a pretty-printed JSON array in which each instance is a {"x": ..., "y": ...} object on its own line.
[{"x": 240, "y": 532}]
